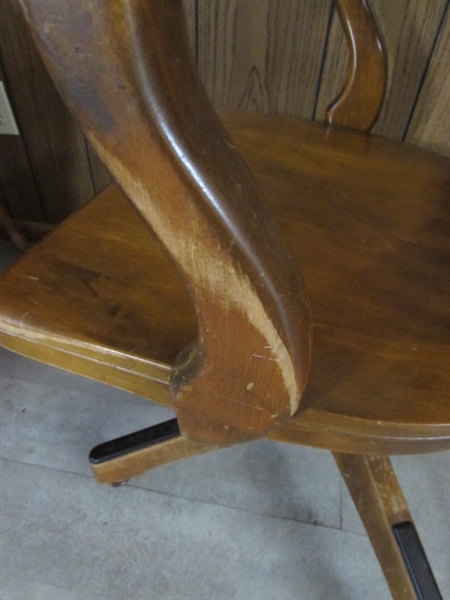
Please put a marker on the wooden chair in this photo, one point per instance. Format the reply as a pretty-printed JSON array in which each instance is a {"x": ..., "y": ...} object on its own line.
[{"x": 364, "y": 219}]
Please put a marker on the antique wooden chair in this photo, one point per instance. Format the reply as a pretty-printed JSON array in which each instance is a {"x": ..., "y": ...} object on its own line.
[{"x": 363, "y": 218}]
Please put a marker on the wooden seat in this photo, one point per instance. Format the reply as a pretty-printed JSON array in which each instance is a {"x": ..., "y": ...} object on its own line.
[
  {"x": 366, "y": 220},
  {"x": 120, "y": 307}
]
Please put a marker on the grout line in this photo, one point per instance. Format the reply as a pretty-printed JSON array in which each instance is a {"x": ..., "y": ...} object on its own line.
[{"x": 184, "y": 498}]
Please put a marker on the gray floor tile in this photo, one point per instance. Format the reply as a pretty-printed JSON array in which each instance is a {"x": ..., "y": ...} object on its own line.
[
  {"x": 63, "y": 531},
  {"x": 51, "y": 418},
  {"x": 24, "y": 589}
]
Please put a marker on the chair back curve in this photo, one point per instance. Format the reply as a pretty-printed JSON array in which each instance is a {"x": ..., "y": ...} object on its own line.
[
  {"x": 125, "y": 70},
  {"x": 358, "y": 104}
]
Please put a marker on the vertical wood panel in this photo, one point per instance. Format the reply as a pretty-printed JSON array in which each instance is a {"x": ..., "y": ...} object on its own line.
[
  {"x": 410, "y": 32},
  {"x": 262, "y": 54},
  {"x": 190, "y": 8},
  {"x": 253, "y": 55},
  {"x": 17, "y": 184},
  {"x": 101, "y": 177},
  {"x": 335, "y": 68},
  {"x": 430, "y": 123},
  {"x": 409, "y": 28},
  {"x": 54, "y": 144}
]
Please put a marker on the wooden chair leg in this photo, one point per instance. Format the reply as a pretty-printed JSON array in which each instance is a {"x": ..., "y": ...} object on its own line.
[
  {"x": 131, "y": 455},
  {"x": 378, "y": 497}
]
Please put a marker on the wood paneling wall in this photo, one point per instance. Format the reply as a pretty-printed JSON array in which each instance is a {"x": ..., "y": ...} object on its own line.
[{"x": 286, "y": 56}]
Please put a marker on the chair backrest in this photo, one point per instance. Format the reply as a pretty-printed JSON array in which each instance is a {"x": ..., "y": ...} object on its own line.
[
  {"x": 359, "y": 103},
  {"x": 124, "y": 68}
]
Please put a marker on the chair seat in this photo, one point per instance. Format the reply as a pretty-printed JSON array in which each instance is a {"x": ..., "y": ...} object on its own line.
[{"x": 367, "y": 220}]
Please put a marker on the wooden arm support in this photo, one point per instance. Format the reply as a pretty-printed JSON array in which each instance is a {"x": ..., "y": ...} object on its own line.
[{"x": 124, "y": 68}]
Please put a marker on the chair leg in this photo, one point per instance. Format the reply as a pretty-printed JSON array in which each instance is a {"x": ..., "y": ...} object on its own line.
[
  {"x": 133, "y": 454},
  {"x": 378, "y": 497}
]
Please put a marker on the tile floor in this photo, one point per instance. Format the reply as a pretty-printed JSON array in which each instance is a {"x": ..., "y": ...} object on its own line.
[{"x": 261, "y": 521}]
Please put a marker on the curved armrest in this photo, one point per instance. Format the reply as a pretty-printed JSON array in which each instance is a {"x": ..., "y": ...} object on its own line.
[{"x": 124, "y": 68}]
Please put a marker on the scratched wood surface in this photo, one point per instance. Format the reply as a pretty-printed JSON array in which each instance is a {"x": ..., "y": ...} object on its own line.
[{"x": 284, "y": 56}]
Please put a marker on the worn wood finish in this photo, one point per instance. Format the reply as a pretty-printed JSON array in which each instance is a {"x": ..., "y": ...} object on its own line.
[
  {"x": 385, "y": 389},
  {"x": 359, "y": 103},
  {"x": 378, "y": 497},
  {"x": 142, "y": 104},
  {"x": 101, "y": 177}
]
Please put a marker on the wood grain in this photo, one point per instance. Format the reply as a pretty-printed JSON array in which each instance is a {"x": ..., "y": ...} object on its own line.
[
  {"x": 430, "y": 124},
  {"x": 262, "y": 55},
  {"x": 410, "y": 37}
]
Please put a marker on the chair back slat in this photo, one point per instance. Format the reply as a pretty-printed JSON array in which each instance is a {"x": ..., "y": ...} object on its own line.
[
  {"x": 359, "y": 102},
  {"x": 124, "y": 68}
]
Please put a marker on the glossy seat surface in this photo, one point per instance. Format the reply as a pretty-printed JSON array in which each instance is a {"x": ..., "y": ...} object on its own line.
[{"x": 368, "y": 222}]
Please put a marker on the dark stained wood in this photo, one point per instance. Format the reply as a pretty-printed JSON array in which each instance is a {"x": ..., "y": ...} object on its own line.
[
  {"x": 8, "y": 227},
  {"x": 54, "y": 144},
  {"x": 142, "y": 105},
  {"x": 17, "y": 182},
  {"x": 378, "y": 246},
  {"x": 359, "y": 103}
]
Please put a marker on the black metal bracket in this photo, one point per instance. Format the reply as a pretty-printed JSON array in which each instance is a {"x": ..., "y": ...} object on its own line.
[
  {"x": 137, "y": 440},
  {"x": 416, "y": 562}
]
